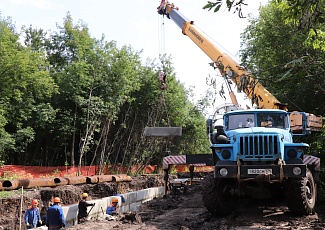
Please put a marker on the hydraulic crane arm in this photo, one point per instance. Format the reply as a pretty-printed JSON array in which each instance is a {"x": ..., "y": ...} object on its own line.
[{"x": 222, "y": 61}]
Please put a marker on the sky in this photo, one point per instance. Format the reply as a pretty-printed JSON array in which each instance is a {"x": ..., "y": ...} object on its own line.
[{"x": 136, "y": 23}]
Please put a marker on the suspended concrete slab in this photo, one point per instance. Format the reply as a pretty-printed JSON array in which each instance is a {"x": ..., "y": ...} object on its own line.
[{"x": 162, "y": 131}]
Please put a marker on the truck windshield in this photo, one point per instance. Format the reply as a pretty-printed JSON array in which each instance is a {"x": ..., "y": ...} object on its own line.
[
  {"x": 240, "y": 121},
  {"x": 273, "y": 120},
  {"x": 268, "y": 120}
]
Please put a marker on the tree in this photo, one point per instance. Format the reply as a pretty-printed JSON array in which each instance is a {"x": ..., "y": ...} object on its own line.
[
  {"x": 25, "y": 86},
  {"x": 279, "y": 58}
]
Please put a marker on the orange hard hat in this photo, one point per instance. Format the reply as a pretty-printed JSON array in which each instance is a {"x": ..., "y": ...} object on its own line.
[
  {"x": 56, "y": 200},
  {"x": 114, "y": 200},
  {"x": 84, "y": 195},
  {"x": 34, "y": 202}
]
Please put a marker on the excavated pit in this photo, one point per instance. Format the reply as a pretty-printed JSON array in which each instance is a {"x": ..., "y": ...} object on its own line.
[{"x": 10, "y": 208}]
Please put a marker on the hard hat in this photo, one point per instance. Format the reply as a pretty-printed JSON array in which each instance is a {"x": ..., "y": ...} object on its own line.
[
  {"x": 56, "y": 200},
  {"x": 34, "y": 202},
  {"x": 84, "y": 195},
  {"x": 114, "y": 200}
]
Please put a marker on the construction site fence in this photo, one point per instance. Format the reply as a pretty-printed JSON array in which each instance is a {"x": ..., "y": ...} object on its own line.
[
  {"x": 28, "y": 172},
  {"x": 22, "y": 171}
]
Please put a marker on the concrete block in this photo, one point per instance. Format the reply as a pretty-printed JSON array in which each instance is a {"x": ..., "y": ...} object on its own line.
[
  {"x": 134, "y": 207},
  {"x": 133, "y": 201},
  {"x": 162, "y": 131},
  {"x": 130, "y": 197}
]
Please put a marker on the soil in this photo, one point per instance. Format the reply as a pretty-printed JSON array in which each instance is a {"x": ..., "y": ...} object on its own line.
[
  {"x": 175, "y": 211},
  {"x": 186, "y": 212}
]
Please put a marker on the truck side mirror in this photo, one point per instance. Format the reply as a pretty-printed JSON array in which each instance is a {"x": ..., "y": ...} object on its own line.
[{"x": 209, "y": 126}]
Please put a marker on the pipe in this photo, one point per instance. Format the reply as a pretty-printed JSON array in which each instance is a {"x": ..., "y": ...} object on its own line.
[
  {"x": 105, "y": 178},
  {"x": 122, "y": 178},
  {"x": 60, "y": 181},
  {"x": 28, "y": 183},
  {"x": 76, "y": 180},
  {"x": 92, "y": 179}
]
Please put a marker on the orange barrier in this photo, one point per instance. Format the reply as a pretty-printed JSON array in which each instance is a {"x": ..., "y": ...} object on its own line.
[{"x": 21, "y": 171}]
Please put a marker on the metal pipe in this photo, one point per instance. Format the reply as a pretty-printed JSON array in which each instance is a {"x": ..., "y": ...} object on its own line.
[
  {"x": 76, "y": 180},
  {"x": 28, "y": 183},
  {"x": 105, "y": 178},
  {"x": 61, "y": 181},
  {"x": 52, "y": 182},
  {"x": 92, "y": 179},
  {"x": 121, "y": 178}
]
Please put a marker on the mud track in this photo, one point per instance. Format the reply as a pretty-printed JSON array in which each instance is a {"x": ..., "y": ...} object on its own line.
[{"x": 186, "y": 212}]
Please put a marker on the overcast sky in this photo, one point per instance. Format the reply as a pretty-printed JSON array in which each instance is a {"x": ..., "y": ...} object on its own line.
[{"x": 137, "y": 23}]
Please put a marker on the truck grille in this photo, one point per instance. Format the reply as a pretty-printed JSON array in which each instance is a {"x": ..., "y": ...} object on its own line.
[{"x": 259, "y": 146}]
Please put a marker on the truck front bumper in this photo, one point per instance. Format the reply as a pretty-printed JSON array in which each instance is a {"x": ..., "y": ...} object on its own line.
[{"x": 260, "y": 172}]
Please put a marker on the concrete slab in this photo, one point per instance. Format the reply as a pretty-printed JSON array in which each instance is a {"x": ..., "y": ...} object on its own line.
[{"x": 162, "y": 131}]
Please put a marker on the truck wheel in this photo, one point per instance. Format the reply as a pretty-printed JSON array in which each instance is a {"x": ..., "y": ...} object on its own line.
[
  {"x": 216, "y": 195},
  {"x": 301, "y": 194}
]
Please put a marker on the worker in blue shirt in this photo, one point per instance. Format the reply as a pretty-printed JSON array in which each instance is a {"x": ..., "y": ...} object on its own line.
[
  {"x": 112, "y": 208},
  {"x": 54, "y": 217},
  {"x": 32, "y": 215}
]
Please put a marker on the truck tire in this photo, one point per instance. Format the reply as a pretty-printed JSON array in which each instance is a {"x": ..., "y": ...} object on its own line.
[
  {"x": 301, "y": 194},
  {"x": 216, "y": 195}
]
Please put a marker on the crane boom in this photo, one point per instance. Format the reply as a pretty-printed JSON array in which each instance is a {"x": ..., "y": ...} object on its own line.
[
  {"x": 221, "y": 60},
  {"x": 229, "y": 67}
]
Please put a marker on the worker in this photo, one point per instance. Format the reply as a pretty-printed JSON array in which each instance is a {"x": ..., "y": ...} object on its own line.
[
  {"x": 32, "y": 215},
  {"x": 82, "y": 208},
  {"x": 111, "y": 210},
  {"x": 54, "y": 217},
  {"x": 219, "y": 137}
]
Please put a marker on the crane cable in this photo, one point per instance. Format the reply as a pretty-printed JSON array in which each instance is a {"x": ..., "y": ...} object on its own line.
[{"x": 162, "y": 75}]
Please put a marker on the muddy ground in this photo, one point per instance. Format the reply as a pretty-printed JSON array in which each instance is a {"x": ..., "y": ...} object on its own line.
[
  {"x": 173, "y": 212},
  {"x": 186, "y": 212}
]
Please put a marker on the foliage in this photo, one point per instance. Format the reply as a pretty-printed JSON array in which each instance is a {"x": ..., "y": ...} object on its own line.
[
  {"x": 26, "y": 85},
  {"x": 70, "y": 99},
  {"x": 7, "y": 194},
  {"x": 279, "y": 58},
  {"x": 235, "y": 5}
]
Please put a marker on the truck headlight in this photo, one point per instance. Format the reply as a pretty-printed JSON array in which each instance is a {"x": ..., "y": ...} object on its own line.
[
  {"x": 223, "y": 171},
  {"x": 296, "y": 171}
]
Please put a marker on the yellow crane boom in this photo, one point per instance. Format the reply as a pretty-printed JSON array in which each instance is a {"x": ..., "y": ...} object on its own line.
[{"x": 229, "y": 67}]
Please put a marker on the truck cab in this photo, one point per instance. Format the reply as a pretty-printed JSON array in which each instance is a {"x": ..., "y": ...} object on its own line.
[{"x": 257, "y": 138}]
